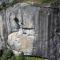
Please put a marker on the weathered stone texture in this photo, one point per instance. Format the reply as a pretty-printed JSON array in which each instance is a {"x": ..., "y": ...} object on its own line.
[{"x": 32, "y": 36}]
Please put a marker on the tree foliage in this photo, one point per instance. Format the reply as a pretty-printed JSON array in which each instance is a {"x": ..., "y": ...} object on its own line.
[
  {"x": 6, "y": 5},
  {"x": 40, "y": 1}
]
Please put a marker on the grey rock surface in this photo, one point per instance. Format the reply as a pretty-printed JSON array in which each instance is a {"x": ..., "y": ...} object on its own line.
[
  {"x": 33, "y": 21},
  {"x": 35, "y": 27},
  {"x": 6, "y": 1},
  {"x": 25, "y": 14}
]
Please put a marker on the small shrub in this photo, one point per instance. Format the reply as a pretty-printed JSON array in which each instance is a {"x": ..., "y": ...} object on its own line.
[{"x": 7, "y": 54}]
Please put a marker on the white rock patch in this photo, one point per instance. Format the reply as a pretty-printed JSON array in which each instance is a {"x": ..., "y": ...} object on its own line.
[{"x": 21, "y": 42}]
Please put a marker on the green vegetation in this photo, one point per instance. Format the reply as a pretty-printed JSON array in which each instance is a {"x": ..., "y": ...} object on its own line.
[
  {"x": 34, "y": 58},
  {"x": 8, "y": 55},
  {"x": 39, "y": 1},
  {"x": 6, "y": 5}
]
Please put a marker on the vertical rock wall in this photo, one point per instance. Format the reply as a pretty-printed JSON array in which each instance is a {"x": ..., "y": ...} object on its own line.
[
  {"x": 41, "y": 42},
  {"x": 54, "y": 36},
  {"x": 1, "y": 33},
  {"x": 30, "y": 18}
]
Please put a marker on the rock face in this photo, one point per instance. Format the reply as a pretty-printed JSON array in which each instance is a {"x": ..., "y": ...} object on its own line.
[
  {"x": 25, "y": 15},
  {"x": 2, "y": 44},
  {"x": 26, "y": 28},
  {"x": 6, "y": 1},
  {"x": 22, "y": 39},
  {"x": 31, "y": 29},
  {"x": 21, "y": 42}
]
